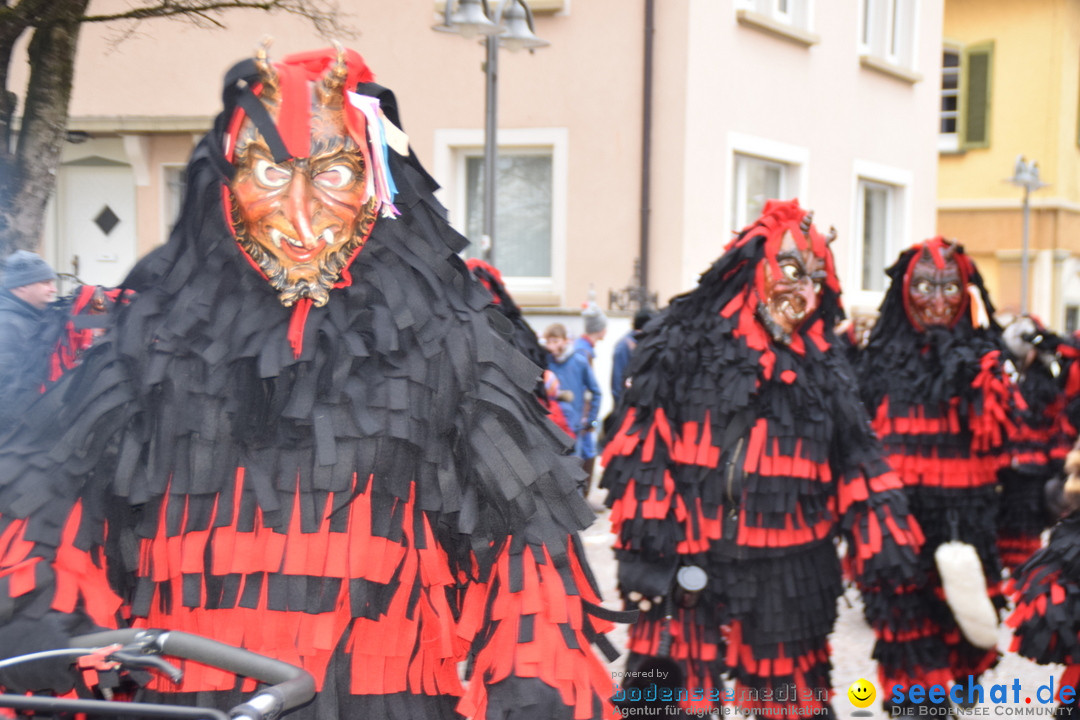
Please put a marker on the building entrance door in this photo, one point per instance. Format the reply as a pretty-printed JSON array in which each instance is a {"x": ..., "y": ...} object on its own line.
[{"x": 96, "y": 228}]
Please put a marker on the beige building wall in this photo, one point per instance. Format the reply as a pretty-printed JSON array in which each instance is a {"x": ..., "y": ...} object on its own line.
[
  {"x": 723, "y": 85},
  {"x": 1035, "y": 97},
  {"x": 835, "y": 117}
]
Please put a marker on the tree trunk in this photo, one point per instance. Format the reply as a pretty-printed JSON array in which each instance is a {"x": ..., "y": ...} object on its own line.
[
  {"x": 10, "y": 31},
  {"x": 33, "y": 174}
]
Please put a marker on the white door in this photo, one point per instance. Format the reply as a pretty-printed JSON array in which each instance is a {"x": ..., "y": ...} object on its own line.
[{"x": 96, "y": 224}]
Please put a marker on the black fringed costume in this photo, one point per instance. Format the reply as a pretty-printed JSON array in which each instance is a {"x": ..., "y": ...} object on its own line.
[
  {"x": 943, "y": 406},
  {"x": 1046, "y": 619},
  {"x": 370, "y": 490},
  {"x": 1046, "y": 594},
  {"x": 1043, "y": 437},
  {"x": 523, "y": 337},
  {"x": 750, "y": 458}
]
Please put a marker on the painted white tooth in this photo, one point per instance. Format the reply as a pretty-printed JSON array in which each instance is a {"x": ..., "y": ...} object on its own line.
[
  {"x": 327, "y": 236},
  {"x": 276, "y": 236}
]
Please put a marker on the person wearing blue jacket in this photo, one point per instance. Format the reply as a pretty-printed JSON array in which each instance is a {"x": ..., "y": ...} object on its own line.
[
  {"x": 576, "y": 376},
  {"x": 620, "y": 360}
]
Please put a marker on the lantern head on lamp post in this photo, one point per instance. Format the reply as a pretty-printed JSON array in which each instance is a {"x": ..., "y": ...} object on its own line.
[{"x": 510, "y": 26}]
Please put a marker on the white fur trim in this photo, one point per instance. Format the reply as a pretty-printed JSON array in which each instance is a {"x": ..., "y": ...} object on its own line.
[{"x": 965, "y": 591}]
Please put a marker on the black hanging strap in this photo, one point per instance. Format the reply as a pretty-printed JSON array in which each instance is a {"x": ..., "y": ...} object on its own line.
[{"x": 249, "y": 101}]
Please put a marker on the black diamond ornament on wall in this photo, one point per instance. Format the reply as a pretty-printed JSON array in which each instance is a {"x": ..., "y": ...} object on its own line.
[{"x": 106, "y": 220}]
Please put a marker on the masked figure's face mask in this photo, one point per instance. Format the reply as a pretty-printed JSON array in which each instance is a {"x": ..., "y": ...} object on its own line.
[
  {"x": 935, "y": 294},
  {"x": 792, "y": 288},
  {"x": 302, "y": 220}
]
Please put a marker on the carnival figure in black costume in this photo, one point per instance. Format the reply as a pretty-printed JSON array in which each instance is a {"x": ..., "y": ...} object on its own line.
[
  {"x": 742, "y": 450},
  {"x": 521, "y": 336},
  {"x": 1046, "y": 593},
  {"x": 303, "y": 436},
  {"x": 934, "y": 381},
  {"x": 1043, "y": 437}
]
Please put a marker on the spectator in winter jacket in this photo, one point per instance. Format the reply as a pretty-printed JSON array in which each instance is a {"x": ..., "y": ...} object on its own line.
[
  {"x": 27, "y": 287},
  {"x": 575, "y": 375},
  {"x": 620, "y": 361}
]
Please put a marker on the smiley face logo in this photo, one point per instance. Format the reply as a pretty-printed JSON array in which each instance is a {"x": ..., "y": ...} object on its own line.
[{"x": 861, "y": 693}]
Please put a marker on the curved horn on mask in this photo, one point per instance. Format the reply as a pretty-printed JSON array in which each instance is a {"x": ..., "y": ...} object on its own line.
[
  {"x": 807, "y": 220},
  {"x": 949, "y": 251},
  {"x": 831, "y": 236},
  {"x": 333, "y": 80},
  {"x": 267, "y": 72}
]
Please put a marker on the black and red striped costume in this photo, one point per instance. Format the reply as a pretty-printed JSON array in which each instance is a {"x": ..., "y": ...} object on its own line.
[
  {"x": 751, "y": 458},
  {"x": 370, "y": 490},
  {"x": 944, "y": 407},
  {"x": 1043, "y": 437},
  {"x": 1046, "y": 593},
  {"x": 88, "y": 308}
]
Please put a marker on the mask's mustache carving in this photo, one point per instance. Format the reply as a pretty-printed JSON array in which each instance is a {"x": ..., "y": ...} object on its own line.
[{"x": 314, "y": 279}]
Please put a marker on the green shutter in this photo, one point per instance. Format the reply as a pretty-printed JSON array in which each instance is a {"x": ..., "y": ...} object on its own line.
[{"x": 978, "y": 68}]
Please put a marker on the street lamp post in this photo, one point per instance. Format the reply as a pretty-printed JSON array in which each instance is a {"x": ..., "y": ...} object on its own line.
[
  {"x": 1025, "y": 175},
  {"x": 510, "y": 26}
]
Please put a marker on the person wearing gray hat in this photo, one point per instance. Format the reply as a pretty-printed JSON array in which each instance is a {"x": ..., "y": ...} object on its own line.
[
  {"x": 594, "y": 322},
  {"x": 27, "y": 288}
]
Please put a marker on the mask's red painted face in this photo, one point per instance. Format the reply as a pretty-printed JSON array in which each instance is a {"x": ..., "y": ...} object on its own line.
[
  {"x": 792, "y": 287},
  {"x": 302, "y": 220},
  {"x": 935, "y": 294}
]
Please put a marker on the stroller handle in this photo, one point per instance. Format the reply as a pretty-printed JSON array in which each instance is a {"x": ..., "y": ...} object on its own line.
[{"x": 290, "y": 686}]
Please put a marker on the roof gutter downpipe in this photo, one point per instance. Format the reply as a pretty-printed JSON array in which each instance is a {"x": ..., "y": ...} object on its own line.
[{"x": 646, "y": 148}]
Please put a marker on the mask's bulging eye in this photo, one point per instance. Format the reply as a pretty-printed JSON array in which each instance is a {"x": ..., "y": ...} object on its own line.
[
  {"x": 952, "y": 289},
  {"x": 791, "y": 272},
  {"x": 270, "y": 175},
  {"x": 922, "y": 287},
  {"x": 335, "y": 177}
]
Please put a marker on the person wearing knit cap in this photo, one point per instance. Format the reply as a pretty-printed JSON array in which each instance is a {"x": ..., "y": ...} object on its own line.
[
  {"x": 29, "y": 278},
  {"x": 595, "y": 323},
  {"x": 27, "y": 287}
]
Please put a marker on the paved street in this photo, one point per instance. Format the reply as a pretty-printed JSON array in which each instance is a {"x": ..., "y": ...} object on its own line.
[{"x": 851, "y": 642}]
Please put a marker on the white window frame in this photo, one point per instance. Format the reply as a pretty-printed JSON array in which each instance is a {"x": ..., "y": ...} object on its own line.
[
  {"x": 799, "y": 13},
  {"x": 739, "y": 199},
  {"x": 794, "y": 158},
  {"x": 785, "y": 15},
  {"x": 950, "y": 142},
  {"x": 881, "y": 22},
  {"x": 900, "y": 181},
  {"x": 453, "y": 146},
  {"x": 165, "y": 219}
]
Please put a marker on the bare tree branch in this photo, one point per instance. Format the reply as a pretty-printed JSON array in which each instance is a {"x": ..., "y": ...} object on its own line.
[
  {"x": 323, "y": 14},
  {"x": 171, "y": 9},
  {"x": 28, "y": 175}
]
